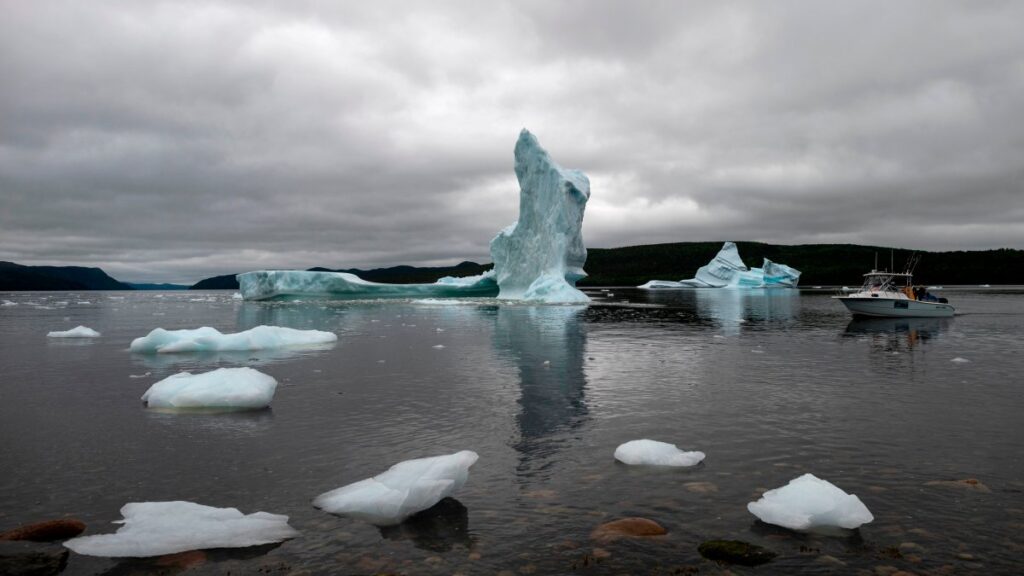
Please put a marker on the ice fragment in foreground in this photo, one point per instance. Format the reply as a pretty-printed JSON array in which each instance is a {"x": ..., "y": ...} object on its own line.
[
  {"x": 808, "y": 502},
  {"x": 727, "y": 270},
  {"x": 208, "y": 339},
  {"x": 267, "y": 284},
  {"x": 405, "y": 489},
  {"x": 76, "y": 332},
  {"x": 158, "y": 528},
  {"x": 221, "y": 388},
  {"x": 654, "y": 453}
]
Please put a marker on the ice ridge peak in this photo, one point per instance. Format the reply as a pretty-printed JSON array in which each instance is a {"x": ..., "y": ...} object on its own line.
[{"x": 541, "y": 256}]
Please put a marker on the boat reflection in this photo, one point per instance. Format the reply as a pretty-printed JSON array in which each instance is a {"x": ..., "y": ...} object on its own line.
[{"x": 896, "y": 334}]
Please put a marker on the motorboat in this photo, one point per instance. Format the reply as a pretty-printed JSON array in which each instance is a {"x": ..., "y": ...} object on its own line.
[{"x": 892, "y": 295}]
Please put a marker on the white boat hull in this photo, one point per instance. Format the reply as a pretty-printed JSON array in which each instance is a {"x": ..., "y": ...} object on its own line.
[{"x": 895, "y": 307}]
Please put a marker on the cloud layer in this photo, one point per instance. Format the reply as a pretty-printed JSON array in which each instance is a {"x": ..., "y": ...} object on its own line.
[{"x": 177, "y": 140}]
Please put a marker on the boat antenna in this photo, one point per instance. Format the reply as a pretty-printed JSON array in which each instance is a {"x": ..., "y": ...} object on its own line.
[
  {"x": 892, "y": 261},
  {"x": 875, "y": 269}
]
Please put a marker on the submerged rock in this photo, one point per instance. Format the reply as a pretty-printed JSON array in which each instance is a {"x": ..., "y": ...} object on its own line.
[
  {"x": 627, "y": 528},
  {"x": 25, "y": 558},
  {"x": 49, "y": 531},
  {"x": 735, "y": 552},
  {"x": 972, "y": 484}
]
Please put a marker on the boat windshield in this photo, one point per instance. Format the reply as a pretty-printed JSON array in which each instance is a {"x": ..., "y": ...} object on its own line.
[{"x": 881, "y": 281}]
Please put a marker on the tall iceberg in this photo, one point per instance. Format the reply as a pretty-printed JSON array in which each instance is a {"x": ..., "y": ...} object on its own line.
[
  {"x": 538, "y": 258},
  {"x": 541, "y": 256},
  {"x": 727, "y": 270}
]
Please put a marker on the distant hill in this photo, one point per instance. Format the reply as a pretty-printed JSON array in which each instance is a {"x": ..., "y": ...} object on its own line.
[
  {"x": 157, "y": 286},
  {"x": 392, "y": 275},
  {"x": 45, "y": 278},
  {"x": 821, "y": 264}
]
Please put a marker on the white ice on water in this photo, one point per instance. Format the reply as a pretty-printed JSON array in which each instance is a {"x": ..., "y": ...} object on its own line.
[
  {"x": 207, "y": 339},
  {"x": 403, "y": 490},
  {"x": 76, "y": 332},
  {"x": 654, "y": 453},
  {"x": 539, "y": 258},
  {"x": 9, "y": 303},
  {"x": 221, "y": 388},
  {"x": 158, "y": 528},
  {"x": 727, "y": 270},
  {"x": 809, "y": 502}
]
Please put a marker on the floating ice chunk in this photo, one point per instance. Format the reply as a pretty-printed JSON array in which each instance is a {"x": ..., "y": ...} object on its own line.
[
  {"x": 236, "y": 296},
  {"x": 727, "y": 270},
  {"x": 268, "y": 284},
  {"x": 76, "y": 332},
  {"x": 136, "y": 376},
  {"x": 541, "y": 256},
  {"x": 438, "y": 346},
  {"x": 960, "y": 360},
  {"x": 208, "y": 339},
  {"x": 221, "y": 388},
  {"x": 158, "y": 528},
  {"x": 439, "y": 301},
  {"x": 654, "y": 453},
  {"x": 9, "y": 303},
  {"x": 405, "y": 489},
  {"x": 808, "y": 502}
]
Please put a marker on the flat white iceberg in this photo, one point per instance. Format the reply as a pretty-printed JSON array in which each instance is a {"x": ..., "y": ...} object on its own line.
[
  {"x": 809, "y": 502},
  {"x": 76, "y": 332},
  {"x": 403, "y": 490},
  {"x": 727, "y": 270},
  {"x": 654, "y": 453},
  {"x": 207, "y": 339},
  {"x": 221, "y": 388},
  {"x": 158, "y": 528},
  {"x": 539, "y": 258},
  {"x": 268, "y": 284}
]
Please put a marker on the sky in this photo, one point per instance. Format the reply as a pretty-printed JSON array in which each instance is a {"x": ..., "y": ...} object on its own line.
[{"x": 173, "y": 141}]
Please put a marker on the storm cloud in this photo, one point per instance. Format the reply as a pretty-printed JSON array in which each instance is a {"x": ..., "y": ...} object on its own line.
[{"x": 169, "y": 141}]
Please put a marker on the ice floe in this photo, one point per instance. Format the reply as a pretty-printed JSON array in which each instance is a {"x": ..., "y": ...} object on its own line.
[
  {"x": 809, "y": 502},
  {"x": 76, "y": 332},
  {"x": 654, "y": 453},
  {"x": 960, "y": 360},
  {"x": 727, "y": 270},
  {"x": 221, "y": 388},
  {"x": 158, "y": 528},
  {"x": 207, "y": 339},
  {"x": 403, "y": 490}
]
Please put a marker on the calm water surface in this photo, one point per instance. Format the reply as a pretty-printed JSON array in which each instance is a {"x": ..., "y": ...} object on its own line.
[{"x": 770, "y": 384}]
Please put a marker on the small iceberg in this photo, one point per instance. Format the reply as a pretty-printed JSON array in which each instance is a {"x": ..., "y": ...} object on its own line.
[
  {"x": 654, "y": 453},
  {"x": 809, "y": 502},
  {"x": 727, "y": 270},
  {"x": 405, "y": 489},
  {"x": 76, "y": 332},
  {"x": 159, "y": 528},
  {"x": 207, "y": 339},
  {"x": 222, "y": 388}
]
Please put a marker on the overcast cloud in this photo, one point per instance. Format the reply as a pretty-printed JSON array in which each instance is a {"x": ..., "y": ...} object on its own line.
[{"x": 170, "y": 141}]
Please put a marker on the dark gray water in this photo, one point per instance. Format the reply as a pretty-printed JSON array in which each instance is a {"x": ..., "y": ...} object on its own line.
[{"x": 769, "y": 384}]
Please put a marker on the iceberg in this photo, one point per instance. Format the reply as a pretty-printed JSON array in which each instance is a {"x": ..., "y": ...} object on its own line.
[
  {"x": 654, "y": 453},
  {"x": 159, "y": 528},
  {"x": 285, "y": 284},
  {"x": 538, "y": 258},
  {"x": 221, "y": 388},
  {"x": 76, "y": 332},
  {"x": 403, "y": 490},
  {"x": 541, "y": 256},
  {"x": 207, "y": 339},
  {"x": 809, "y": 502},
  {"x": 727, "y": 270}
]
